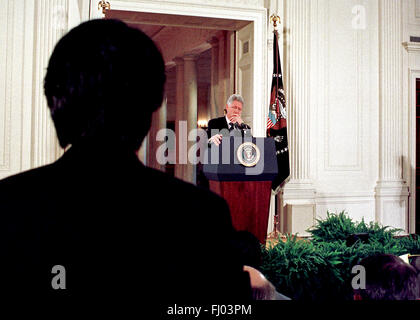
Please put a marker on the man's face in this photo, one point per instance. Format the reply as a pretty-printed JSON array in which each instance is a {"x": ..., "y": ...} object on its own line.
[{"x": 234, "y": 109}]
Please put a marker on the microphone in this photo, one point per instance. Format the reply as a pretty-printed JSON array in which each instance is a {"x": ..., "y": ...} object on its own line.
[{"x": 244, "y": 126}]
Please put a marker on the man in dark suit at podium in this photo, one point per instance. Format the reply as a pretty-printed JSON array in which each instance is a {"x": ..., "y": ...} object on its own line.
[
  {"x": 97, "y": 222},
  {"x": 230, "y": 121}
]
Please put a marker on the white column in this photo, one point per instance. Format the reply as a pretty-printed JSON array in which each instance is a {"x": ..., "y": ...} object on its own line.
[
  {"x": 214, "y": 86},
  {"x": 50, "y": 24},
  {"x": 391, "y": 190},
  {"x": 158, "y": 122},
  {"x": 179, "y": 116},
  {"x": 219, "y": 74},
  {"x": 16, "y": 81},
  {"x": 190, "y": 109},
  {"x": 297, "y": 199},
  {"x": 223, "y": 76}
]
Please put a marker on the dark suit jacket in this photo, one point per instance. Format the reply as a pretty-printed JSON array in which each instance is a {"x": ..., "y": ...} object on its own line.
[
  {"x": 120, "y": 229},
  {"x": 217, "y": 124}
]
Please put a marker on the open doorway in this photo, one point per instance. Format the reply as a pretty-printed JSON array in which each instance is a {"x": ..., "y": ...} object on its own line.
[{"x": 222, "y": 55}]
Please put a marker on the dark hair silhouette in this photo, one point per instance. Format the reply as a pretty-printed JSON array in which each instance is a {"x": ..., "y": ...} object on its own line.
[
  {"x": 104, "y": 81},
  {"x": 388, "y": 277}
]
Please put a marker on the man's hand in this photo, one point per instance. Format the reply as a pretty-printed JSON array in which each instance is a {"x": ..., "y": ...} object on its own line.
[
  {"x": 237, "y": 119},
  {"x": 216, "y": 139}
]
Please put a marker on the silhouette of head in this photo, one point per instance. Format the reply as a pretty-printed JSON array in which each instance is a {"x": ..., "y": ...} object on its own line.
[
  {"x": 388, "y": 277},
  {"x": 104, "y": 80}
]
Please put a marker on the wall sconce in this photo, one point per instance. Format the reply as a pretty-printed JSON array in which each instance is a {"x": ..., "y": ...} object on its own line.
[{"x": 202, "y": 124}]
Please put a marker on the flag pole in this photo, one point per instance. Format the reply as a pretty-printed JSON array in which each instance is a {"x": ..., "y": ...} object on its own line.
[{"x": 275, "y": 19}]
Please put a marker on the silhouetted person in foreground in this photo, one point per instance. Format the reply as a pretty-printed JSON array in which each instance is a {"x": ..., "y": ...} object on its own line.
[
  {"x": 115, "y": 227},
  {"x": 388, "y": 277}
]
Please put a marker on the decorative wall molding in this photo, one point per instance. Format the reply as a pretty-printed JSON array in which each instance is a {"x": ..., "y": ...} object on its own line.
[
  {"x": 344, "y": 91},
  {"x": 216, "y": 3},
  {"x": 233, "y": 9},
  {"x": 412, "y": 47},
  {"x": 357, "y": 208},
  {"x": 345, "y": 83},
  {"x": 353, "y": 140},
  {"x": 414, "y": 12}
]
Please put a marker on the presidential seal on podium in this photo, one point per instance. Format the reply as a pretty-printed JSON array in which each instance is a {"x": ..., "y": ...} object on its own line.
[{"x": 248, "y": 154}]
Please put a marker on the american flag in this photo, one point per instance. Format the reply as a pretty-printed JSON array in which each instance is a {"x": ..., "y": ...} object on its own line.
[
  {"x": 276, "y": 94},
  {"x": 271, "y": 120},
  {"x": 276, "y": 120}
]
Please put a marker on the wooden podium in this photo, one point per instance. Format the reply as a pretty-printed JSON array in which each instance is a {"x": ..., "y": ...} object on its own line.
[{"x": 241, "y": 170}]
